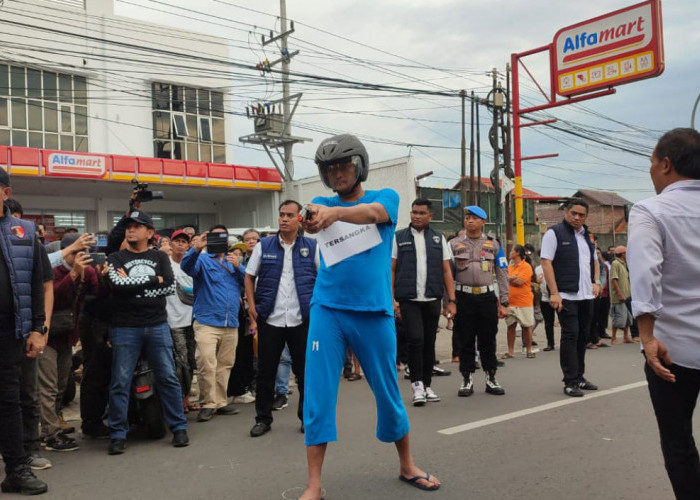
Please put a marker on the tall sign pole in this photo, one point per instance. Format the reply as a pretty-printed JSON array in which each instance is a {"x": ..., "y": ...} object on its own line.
[{"x": 288, "y": 158}]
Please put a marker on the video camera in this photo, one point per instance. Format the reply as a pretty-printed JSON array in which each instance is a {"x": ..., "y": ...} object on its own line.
[{"x": 143, "y": 194}]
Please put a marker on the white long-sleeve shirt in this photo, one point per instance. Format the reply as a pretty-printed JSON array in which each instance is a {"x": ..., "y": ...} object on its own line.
[{"x": 663, "y": 255}]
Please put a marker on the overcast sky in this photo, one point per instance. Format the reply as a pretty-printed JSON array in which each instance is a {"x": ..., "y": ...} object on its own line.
[{"x": 446, "y": 45}]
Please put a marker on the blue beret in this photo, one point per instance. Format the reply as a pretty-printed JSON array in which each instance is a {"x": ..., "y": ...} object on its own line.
[{"x": 475, "y": 210}]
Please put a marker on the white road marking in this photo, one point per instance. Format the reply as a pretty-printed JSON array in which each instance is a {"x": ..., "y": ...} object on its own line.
[{"x": 537, "y": 409}]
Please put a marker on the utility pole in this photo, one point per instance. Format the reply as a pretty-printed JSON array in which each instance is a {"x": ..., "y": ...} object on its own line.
[
  {"x": 507, "y": 169},
  {"x": 478, "y": 154},
  {"x": 272, "y": 129},
  {"x": 472, "y": 194},
  {"x": 495, "y": 177},
  {"x": 463, "y": 94},
  {"x": 287, "y": 119}
]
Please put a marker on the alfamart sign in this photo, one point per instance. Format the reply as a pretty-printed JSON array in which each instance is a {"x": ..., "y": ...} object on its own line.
[
  {"x": 76, "y": 165},
  {"x": 612, "y": 49}
]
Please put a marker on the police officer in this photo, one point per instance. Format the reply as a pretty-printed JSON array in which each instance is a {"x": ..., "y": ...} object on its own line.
[{"x": 476, "y": 257}]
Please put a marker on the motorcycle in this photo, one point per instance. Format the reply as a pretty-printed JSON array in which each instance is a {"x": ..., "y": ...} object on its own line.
[{"x": 145, "y": 408}]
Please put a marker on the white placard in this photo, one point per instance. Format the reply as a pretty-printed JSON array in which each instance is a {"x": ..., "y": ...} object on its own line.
[
  {"x": 507, "y": 186},
  {"x": 341, "y": 240}
]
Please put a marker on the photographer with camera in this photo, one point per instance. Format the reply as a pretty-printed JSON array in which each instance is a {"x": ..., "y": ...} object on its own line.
[
  {"x": 72, "y": 281},
  {"x": 218, "y": 282}
]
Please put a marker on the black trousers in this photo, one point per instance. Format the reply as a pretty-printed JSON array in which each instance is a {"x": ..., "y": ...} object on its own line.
[
  {"x": 97, "y": 372},
  {"x": 674, "y": 404},
  {"x": 594, "y": 329},
  {"x": 634, "y": 330},
  {"x": 421, "y": 320},
  {"x": 575, "y": 319},
  {"x": 548, "y": 315},
  {"x": 401, "y": 342},
  {"x": 242, "y": 374},
  {"x": 477, "y": 321},
  {"x": 271, "y": 340},
  {"x": 11, "y": 354},
  {"x": 29, "y": 400}
]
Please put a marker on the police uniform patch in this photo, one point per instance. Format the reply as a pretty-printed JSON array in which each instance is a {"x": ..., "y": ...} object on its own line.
[
  {"x": 436, "y": 239},
  {"x": 304, "y": 252},
  {"x": 18, "y": 231}
]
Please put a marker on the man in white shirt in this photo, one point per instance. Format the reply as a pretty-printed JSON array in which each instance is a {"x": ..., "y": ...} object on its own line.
[
  {"x": 573, "y": 280},
  {"x": 180, "y": 317},
  {"x": 663, "y": 255},
  {"x": 279, "y": 282},
  {"x": 420, "y": 271}
]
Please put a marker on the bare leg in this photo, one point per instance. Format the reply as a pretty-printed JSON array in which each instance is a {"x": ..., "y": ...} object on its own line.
[
  {"x": 407, "y": 468},
  {"x": 613, "y": 340},
  {"x": 627, "y": 338},
  {"x": 314, "y": 457},
  {"x": 511, "y": 338}
]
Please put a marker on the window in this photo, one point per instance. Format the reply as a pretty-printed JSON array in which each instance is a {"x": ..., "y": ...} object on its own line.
[
  {"x": 188, "y": 123},
  {"x": 180, "y": 126},
  {"x": 43, "y": 109}
]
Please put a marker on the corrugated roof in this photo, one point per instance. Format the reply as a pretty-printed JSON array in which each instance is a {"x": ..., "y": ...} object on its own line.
[
  {"x": 602, "y": 197},
  {"x": 486, "y": 182}
]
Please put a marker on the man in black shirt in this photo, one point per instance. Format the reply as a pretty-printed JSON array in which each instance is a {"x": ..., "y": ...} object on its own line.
[
  {"x": 22, "y": 332},
  {"x": 141, "y": 278}
]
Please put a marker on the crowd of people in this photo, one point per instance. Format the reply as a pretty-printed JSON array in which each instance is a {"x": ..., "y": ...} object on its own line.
[{"x": 240, "y": 316}]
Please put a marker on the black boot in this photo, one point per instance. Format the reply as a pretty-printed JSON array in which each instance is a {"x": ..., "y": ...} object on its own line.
[
  {"x": 22, "y": 480},
  {"x": 492, "y": 385}
]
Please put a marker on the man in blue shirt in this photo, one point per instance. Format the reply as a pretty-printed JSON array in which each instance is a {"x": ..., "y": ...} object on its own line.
[
  {"x": 347, "y": 310},
  {"x": 218, "y": 281}
]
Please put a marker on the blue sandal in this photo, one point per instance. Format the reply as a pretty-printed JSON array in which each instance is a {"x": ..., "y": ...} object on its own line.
[{"x": 414, "y": 482}]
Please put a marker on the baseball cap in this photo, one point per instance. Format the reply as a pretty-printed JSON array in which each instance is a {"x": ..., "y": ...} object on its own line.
[
  {"x": 141, "y": 218},
  {"x": 475, "y": 210},
  {"x": 619, "y": 250},
  {"x": 68, "y": 240},
  {"x": 4, "y": 177},
  {"x": 180, "y": 233}
]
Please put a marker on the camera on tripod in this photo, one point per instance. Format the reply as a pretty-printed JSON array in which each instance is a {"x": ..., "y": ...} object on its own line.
[{"x": 143, "y": 193}]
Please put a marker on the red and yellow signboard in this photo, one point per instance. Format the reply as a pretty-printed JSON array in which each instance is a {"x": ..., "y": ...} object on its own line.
[{"x": 615, "y": 48}]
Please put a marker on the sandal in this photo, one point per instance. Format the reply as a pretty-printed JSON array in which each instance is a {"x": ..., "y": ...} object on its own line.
[
  {"x": 507, "y": 356},
  {"x": 530, "y": 355},
  {"x": 354, "y": 376}
]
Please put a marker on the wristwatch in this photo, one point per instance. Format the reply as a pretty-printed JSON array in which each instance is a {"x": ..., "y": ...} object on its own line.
[
  {"x": 43, "y": 330},
  {"x": 596, "y": 282},
  {"x": 453, "y": 301},
  {"x": 505, "y": 304}
]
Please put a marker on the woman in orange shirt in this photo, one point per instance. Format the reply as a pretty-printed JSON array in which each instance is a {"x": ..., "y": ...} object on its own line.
[{"x": 520, "y": 299}]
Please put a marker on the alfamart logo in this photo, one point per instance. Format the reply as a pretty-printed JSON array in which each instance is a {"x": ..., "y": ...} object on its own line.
[
  {"x": 617, "y": 37},
  {"x": 76, "y": 165}
]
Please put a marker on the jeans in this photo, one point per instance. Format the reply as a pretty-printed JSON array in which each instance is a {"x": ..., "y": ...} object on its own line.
[
  {"x": 271, "y": 341},
  {"x": 11, "y": 354},
  {"x": 284, "y": 370},
  {"x": 97, "y": 372},
  {"x": 421, "y": 319},
  {"x": 674, "y": 404},
  {"x": 156, "y": 342},
  {"x": 575, "y": 319},
  {"x": 477, "y": 321},
  {"x": 29, "y": 399}
]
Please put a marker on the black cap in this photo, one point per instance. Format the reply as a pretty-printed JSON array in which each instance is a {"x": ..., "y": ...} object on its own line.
[
  {"x": 142, "y": 218},
  {"x": 68, "y": 240},
  {"x": 4, "y": 177}
]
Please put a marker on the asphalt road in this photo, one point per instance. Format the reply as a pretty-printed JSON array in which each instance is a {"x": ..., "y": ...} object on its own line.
[{"x": 532, "y": 443}]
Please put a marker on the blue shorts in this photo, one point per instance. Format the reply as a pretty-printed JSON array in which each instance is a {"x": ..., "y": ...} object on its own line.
[{"x": 372, "y": 337}]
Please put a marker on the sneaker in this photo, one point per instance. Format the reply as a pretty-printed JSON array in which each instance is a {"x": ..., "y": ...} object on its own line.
[
  {"x": 467, "y": 387},
  {"x": 205, "y": 415},
  {"x": 227, "y": 410},
  {"x": 116, "y": 446},
  {"x": 441, "y": 372},
  {"x": 587, "y": 386},
  {"x": 280, "y": 402},
  {"x": 259, "y": 429},
  {"x": 22, "y": 480},
  {"x": 419, "y": 398},
  {"x": 95, "y": 431},
  {"x": 245, "y": 398},
  {"x": 61, "y": 443},
  {"x": 492, "y": 385},
  {"x": 430, "y": 396},
  {"x": 37, "y": 462},
  {"x": 573, "y": 391},
  {"x": 180, "y": 439}
]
